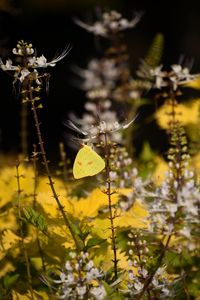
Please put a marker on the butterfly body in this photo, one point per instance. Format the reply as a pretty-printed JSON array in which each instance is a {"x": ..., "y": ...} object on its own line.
[{"x": 87, "y": 163}]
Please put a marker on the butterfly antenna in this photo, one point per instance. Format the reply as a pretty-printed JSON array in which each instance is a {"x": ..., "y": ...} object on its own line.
[
  {"x": 73, "y": 127},
  {"x": 128, "y": 124}
]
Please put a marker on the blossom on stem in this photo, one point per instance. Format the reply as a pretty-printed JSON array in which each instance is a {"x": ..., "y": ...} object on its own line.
[
  {"x": 29, "y": 62},
  {"x": 111, "y": 23},
  {"x": 175, "y": 77}
]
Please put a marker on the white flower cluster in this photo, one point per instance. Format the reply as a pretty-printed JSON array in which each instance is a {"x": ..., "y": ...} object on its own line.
[
  {"x": 80, "y": 279},
  {"x": 109, "y": 122},
  {"x": 164, "y": 208},
  {"x": 138, "y": 273},
  {"x": 175, "y": 77},
  {"x": 124, "y": 175},
  {"x": 159, "y": 283},
  {"x": 23, "y": 48},
  {"x": 111, "y": 23},
  {"x": 94, "y": 129},
  {"x": 100, "y": 73},
  {"x": 31, "y": 63}
]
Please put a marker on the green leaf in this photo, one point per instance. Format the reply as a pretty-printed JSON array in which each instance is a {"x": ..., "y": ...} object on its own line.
[
  {"x": 155, "y": 51},
  {"x": 94, "y": 242},
  {"x": 9, "y": 280},
  {"x": 112, "y": 294},
  {"x": 153, "y": 57},
  {"x": 75, "y": 228},
  {"x": 35, "y": 218}
]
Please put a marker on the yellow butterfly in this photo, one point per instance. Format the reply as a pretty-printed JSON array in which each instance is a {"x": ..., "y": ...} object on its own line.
[{"x": 87, "y": 163}]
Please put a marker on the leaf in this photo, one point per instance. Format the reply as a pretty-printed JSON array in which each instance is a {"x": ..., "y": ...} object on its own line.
[
  {"x": 155, "y": 51},
  {"x": 40, "y": 105},
  {"x": 94, "y": 242},
  {"x": 35, "y": 218},
  {"x": 9, "y": 280},
  {"x": 112, "y": 294},
  {"x": 153, "y": 56}
]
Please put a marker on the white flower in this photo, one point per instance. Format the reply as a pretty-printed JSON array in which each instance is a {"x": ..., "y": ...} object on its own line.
[
  {"x": 90, "y": 106},
  {"x": 155, "y": 282},
  {"x": 24, "y": 73},
  {"x": 144, "y": 272},
  {"x": 175, "y": 77},
  {"x": 131, "y": 276},
  {"x": 159, "y": 75},
  {"x": 8, "y": 66},
  {"x": 111, "y": 22},
  {"x": 98, "y": 29},
  {"x": 81, "y": 291},
  {"x": 102, "y": 127},
  {"x": 84, "y": 255},
  {"x": 165, "y": 291},
  {"x": 62, "y": 276},
  {"x": 130, "y": 263},
  {"x": 89, "y": 265},
  {"x": 160, "y": 271},
  {"x": 68, "y": 266},
  {"x": 41, "y": 61},
  {"x": 98, "y": 292},
  {"x": 172, "y": 208},
  {"x": 69, "y": 278},
  {"x": 33, "y": 62},
  {"x": 138, "y": 286},
  {"x": 72, "y": 254},
  {"x": 113, "y": 175},
  {"x": 190, "y": 184},
  {"x": 186, "y": 232},
  {"x": 134, "y": 172},
  {"x": 67, "y": 294}
]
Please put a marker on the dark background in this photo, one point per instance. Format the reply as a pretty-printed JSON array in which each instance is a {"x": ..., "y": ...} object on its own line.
[{"x": 49, "y": 25}]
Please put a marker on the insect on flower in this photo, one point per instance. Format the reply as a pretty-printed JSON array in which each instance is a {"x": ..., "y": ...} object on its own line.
[
  {"x": 101, "y": 128},
  {"x": 87, "y": 163}
]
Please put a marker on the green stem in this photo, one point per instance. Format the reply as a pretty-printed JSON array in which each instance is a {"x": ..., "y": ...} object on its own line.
[
  {"x": 22, "y": 233},
  {"x": 34, "y": 158},
  {"x": 64, "y": 164},
  {"x": 109, "y": 193},
  {"x": 24, "y": 125},
  {"x": 46, "y": 164},
  {"x": 159, "y": 262}
]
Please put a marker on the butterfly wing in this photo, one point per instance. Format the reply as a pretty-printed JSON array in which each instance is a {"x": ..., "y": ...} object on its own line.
[{"x": 87, "y": 163}]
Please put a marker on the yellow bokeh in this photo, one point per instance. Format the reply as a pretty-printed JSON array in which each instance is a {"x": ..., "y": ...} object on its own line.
[
  {"x": 195, "y": 84},
  {"x": 45, "y": 196},
  {"x": 8, "y": 183},
  {"x": 6, "y": 268},
  {"x": 36, "y": 295},
  {"x": 89, "y": 206},
  {"x": 135, "y": 217},
  {"x": 159, "y": 173},
  {"x": 185, "y": 114}
]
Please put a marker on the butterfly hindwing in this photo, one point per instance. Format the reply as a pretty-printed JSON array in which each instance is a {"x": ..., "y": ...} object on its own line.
[{"x": 87, "y": 163}]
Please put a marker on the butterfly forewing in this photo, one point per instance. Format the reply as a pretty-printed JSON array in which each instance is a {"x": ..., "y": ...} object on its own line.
[{"x": 87, "y": 163}]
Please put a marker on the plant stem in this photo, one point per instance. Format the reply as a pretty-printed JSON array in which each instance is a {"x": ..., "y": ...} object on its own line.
[
  {"x": 63, "y": 160},
  {"x": 24, "y": 125},
  {"x": 160, "y": 259},
  {"x": 34, "y": 158},
  {"x": 46, "y": 164},
  {"x": 173, "y": 103},
  {"x": 64, "y": 164},
  {"x": 22, "y": 234},
  {"x": 109, "y": 193}
]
